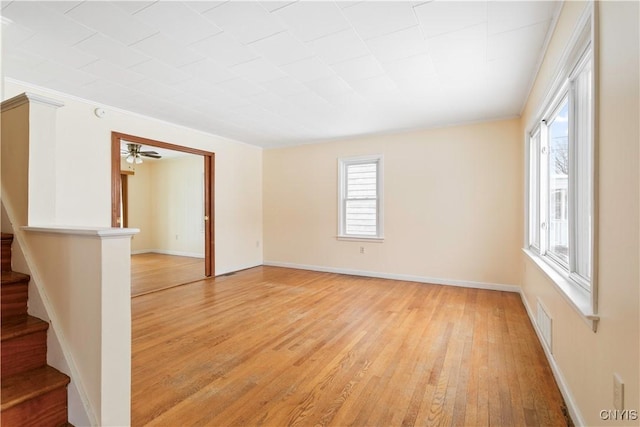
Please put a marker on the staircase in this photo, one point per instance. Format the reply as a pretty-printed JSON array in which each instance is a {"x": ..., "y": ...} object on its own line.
[{"x": 33, "y": 393}]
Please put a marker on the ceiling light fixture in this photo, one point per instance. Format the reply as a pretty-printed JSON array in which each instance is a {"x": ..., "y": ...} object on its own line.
[{"x": 134, "y": 154}]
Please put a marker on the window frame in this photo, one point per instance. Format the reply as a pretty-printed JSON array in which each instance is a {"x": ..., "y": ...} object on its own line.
[
  {"x": 579, "y": 57},
  {"x": 343, "y": 164}
]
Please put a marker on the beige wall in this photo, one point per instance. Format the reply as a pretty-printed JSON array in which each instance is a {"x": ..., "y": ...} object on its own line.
[
  {"x": 177, "y": 215},
  {"x": 140, "y": 207},
  {"x": 451, "y": 208},
  {"x": 166, "y": 203},
  {"x": 588, "y": 360},
  {"x": 83, "y": 186}
]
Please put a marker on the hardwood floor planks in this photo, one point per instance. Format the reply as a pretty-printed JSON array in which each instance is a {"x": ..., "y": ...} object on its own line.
[
  {"x": 151, "y": 272},
  {"x": 273, "y": 346}
]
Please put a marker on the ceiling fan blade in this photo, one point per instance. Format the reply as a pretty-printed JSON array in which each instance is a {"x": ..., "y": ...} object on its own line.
[{"x": 151, "y": 154}]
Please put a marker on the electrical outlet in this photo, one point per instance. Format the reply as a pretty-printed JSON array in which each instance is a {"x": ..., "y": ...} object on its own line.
[
  {"x": 618, "y": 392},
  {"x": 361, "y": 249}
]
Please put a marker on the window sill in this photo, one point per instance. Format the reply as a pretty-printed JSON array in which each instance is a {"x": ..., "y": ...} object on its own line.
[
  {"x": 361, "y": 239},
  {"x": 577, "y": 297}
]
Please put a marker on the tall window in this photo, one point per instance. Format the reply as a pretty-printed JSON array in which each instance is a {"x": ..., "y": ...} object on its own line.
[
  {"x": 560, "y": 181},
  {"x": 360, "y": 197}
]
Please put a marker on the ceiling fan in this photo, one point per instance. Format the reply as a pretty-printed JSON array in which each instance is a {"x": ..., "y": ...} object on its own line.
[{"x": 134, "y": 154}]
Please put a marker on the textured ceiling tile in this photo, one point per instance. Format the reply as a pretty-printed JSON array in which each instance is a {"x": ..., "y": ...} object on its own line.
[
  {"x": 512, "y": 70},
  {"x": 177, "y": 21},
  {"x": 272, "y": 6},
  {"x": 110, "y": 20},
  {"x": 160, "y": 71},
  {"x": 377, "y": 18},
  {"x": 506, "y": 16},
  {"x": 111, "y": 50},
  {"x": 398, "y": 45},
  {"x": 519, "y": 42},
  {"x": 258, "y": 71},
  {"x": 38, "y": 18},
  {"x": 209, "y": 71},
  {"x": 61, "y": 6},
  {"x": 309, "y": 21},
  {"x": 269, "y": 100},
  {"x": 224, "y": 50},
  {"x": 167, "y": 50},
  {"x": 340, "y": 46},
  {"x": 330, "y": 88},
  {"x": 246, "y": 21},
  {"x": 308, "y": 69},
  {"x": 66, "y": 74},
  {"x": 240, "y": 87},
  {"x": 285, "y": 86},
  {"x": 442, "y": 17},
  {"x": 155, "y": 88},
  {"x": 133, "y": 6},
  {"x": 100, "y": 89},
  {"x": 113, "y": 73},
  {"x": 282, "y": 48},
  {"x": 359, "y": 68},
  {"x": 458, "y": 52},
  {"x": 375, "y": 86},
  {"x": 13, "y": 35},
  {"x": 24, "y": 66},
  {"x": 413, "y": 68},
  {"x": 346, "y": 4},
  {"x": 50, "y": 49}
]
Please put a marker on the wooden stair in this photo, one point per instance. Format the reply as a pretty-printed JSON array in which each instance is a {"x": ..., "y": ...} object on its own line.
[{"x": 33, "y": 393}]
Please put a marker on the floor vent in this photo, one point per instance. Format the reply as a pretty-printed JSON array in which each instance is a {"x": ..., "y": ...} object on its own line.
[{"x": 544, "y": 325}]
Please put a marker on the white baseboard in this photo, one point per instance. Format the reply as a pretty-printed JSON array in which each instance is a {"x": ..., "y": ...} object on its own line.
[
  {"x": 165, "y": 252},
  {"x": 574, "y": 412},
  {"x": 405, "y": 277}
]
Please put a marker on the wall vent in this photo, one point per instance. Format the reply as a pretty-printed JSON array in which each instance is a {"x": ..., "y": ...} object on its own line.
[{"x": 544, "y": 325}]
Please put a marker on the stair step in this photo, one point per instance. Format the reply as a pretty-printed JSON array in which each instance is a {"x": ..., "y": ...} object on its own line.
[
  {"x": 14, "y": 328},
  {"x": 24, "y": 345},
  {"x": 13, "y": 277},
  {"x": 13, "y": 294},
  {"x": 7, "y": 239},
  {"x": 36, "y": 397}
]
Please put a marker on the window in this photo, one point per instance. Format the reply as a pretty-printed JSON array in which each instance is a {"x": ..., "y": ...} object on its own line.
[
  {"x": 560, "y": 191},
  {"x": 360, "y": 197}
]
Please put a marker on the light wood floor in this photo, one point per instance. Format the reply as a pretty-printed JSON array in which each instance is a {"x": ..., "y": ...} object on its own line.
[
  {"x": 152, "y": 272},
  {"x": 278, "y": 347}
]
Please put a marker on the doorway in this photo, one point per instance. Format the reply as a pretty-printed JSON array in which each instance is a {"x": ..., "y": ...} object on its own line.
[{"x": 117, "y": 187}]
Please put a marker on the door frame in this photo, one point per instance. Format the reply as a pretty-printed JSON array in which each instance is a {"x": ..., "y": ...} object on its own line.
[{"x": 209, "y": 185}]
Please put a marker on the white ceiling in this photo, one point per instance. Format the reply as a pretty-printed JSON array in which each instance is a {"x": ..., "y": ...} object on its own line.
[{"x": 279, "y": 73}]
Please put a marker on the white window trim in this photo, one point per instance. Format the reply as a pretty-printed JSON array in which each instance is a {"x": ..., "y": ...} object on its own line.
[
  {"x": 568, "y": 283},
  {"x": 343, "y": 162}
]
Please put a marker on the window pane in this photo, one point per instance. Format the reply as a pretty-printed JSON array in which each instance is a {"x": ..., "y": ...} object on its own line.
[
  {"x": 361, "y": 181},
  {"x": 559, "y": 183},
  {"x": 361, "y": 217}
]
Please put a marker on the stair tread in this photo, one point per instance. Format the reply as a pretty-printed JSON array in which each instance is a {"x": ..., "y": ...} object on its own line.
[
  {"x": 19, "y": 326},
  {"x": 27, "y": 385},
  {"x": 11, "y": 277}
]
